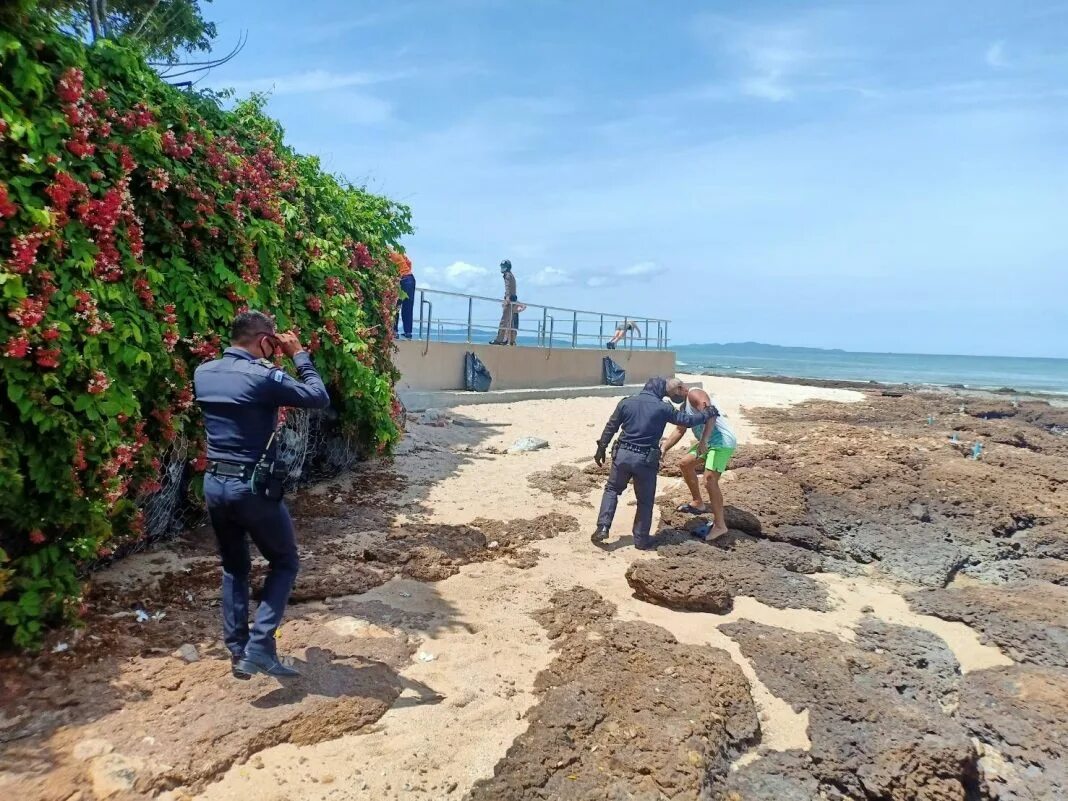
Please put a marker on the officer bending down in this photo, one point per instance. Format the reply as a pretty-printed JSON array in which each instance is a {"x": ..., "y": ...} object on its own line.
[
  {"x": 637, "y": 454},
  {"x": 239, "y": 395}
]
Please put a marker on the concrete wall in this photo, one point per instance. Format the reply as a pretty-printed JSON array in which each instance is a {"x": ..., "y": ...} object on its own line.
[{"x": 522, "y": 367}]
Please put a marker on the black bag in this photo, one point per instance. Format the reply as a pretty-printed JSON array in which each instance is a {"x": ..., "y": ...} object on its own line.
[
  {"x": 269, "y": 478},
  {"x": 476, "y": 377},
  {"x": 614, "y": 375}
]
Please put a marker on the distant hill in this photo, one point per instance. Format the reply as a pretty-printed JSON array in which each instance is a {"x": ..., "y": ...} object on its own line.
[{"x": 758, "y": 348}]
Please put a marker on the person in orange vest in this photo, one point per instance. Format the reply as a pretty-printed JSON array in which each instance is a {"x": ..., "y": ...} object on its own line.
[{"x": 406, "y": 302}]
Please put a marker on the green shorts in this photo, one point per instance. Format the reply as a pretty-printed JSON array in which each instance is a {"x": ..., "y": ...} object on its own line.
[{"x": 716, "y": 459}]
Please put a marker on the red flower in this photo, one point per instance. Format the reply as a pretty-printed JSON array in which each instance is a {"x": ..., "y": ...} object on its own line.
[
  {"x": 17, "y": 348},
  {"x": 71, "y": 85},
  {"x": 29, "y": 313},
  {"x": 48, "y": 358},
  {"x": 51, "y": 334},
  {"x": 99, "y": 383},
  {"x": 362, "y": 256},
  {"x": 7, "y": 208},
  {"x": 314, "y": 303},
  {"x": 159, "y": 179},
  {"x": 334, "y": 286},
  {"x": 144, "y": 291},
  {"x": 24, "y": 249},
  {"x": 37, "y": 537}
]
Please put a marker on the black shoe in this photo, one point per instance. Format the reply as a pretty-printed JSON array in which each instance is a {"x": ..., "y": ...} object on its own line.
[
  {"x": 235, "y": 671},
  {"x": 645, "y": 545},
  {"x": 599, "y": 536},
  {"x": 268, "y": 665},
  {"x": 611, "y": 346}
]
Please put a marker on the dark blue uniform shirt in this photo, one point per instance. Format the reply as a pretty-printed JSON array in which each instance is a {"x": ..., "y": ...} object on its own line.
[
  {"x": 643, "y": 417},
  {"x": 240, "y": 395}
]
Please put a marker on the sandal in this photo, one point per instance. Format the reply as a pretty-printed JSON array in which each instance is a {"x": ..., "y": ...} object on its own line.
[{"x": 690, "y": 509}]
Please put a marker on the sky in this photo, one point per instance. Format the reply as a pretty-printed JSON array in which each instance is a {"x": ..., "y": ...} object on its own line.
[{"x": 888, "y": 175}]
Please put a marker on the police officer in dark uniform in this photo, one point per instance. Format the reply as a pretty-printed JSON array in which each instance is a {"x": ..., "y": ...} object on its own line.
[
  {"x": 239, "y": 395},
  {"x": 637, "y": 453}
]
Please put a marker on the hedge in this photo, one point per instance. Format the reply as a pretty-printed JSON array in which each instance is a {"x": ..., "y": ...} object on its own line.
[{"x": 136, "y": 219}]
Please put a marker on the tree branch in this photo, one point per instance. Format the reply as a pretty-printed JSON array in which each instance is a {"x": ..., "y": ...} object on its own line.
[
  {"x": 94, "y": 18},
  {"x": 144, "y": 20}
]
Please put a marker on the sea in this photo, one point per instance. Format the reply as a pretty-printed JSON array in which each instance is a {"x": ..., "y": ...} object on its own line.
[{"x": 1022, "y": 374}]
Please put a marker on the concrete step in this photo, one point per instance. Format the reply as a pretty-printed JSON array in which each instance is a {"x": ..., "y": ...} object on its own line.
[{"x": 418, "y": 401}]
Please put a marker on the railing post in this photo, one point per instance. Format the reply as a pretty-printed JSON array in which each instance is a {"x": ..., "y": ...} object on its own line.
[
  {"x": 470, "y": 303},
  {"x": 552, "y": 326},
  {"x": 645, "y": 328},
  {"x": 600, "y": 334},
  {"x": 422, "y": 300},
  {"x": 544, "y": 325},
  {"x": 574, "y": 329},
  {"x": 429, "y": 322}
]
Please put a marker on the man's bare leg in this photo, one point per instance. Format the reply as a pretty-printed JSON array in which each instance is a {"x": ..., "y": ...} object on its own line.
[
  {"x": 688, "y": 468},
  {"x": 715, "y": 497}
]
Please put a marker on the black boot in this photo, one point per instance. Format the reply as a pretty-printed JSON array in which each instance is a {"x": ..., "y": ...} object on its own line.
[{"x": 599, "y": 536}]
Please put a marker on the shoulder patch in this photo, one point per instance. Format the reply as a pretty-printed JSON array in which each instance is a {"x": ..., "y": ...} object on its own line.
[
  {"x": 265, "y": 363},
  {"x": 278, "y": 376}
]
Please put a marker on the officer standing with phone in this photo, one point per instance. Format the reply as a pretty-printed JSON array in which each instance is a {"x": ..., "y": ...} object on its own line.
[{"x": 240, "y": 395}]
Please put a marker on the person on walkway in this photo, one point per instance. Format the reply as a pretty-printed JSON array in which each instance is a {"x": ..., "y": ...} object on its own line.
[
  {"x": 406, "y": 300},
  {"x": 509, "y": 327},
  {"x": 637, "y": 453},
  {"x": 715, "y": 445},
  {"x": 622, "y": 330},
  {"x": 239, "y": 395}
]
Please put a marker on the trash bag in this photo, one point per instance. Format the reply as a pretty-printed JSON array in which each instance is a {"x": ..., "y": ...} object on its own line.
[
  {"x": 614, "y": 375},
  {"x": 476, "y": 377}
]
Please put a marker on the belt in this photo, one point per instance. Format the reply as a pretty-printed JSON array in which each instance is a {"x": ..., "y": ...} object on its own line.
[
  {"x": 642, "y": 449},
  {"x": 231, "y": 469}
]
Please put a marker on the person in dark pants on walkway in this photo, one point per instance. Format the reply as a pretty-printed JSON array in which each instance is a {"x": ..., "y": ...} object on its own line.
[
  {"x": 509, "y": 327},
  {"x": 239, "y": 396},
  {"x": 405, "y": 304},
  {"x": 637, "y": 453}
]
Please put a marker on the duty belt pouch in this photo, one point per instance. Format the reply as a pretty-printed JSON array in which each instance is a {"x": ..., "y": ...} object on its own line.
[
  {"x": 652, "y": 456},
  {"x": 269, "y": 478},
  {"x": 615, "y": 449}
]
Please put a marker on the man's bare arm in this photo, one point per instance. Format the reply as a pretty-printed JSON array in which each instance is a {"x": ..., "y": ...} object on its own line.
[{"x": 673, "y": 438}]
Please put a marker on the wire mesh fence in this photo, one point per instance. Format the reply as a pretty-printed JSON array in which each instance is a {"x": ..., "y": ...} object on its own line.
[{"x": 310, "y": 443}]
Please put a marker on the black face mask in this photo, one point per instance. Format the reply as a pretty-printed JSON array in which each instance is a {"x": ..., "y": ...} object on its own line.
[{"x": 274, "y": 348}]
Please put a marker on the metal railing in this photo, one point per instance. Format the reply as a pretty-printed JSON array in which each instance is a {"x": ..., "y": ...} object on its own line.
[{"x": 456, "y": 317}]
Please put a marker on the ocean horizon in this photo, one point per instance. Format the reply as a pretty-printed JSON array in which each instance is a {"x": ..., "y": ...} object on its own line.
[{"x": 1021, "y": 373}]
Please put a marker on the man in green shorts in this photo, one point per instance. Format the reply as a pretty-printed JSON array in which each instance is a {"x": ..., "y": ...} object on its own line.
[{"x": 715, "y": 445}]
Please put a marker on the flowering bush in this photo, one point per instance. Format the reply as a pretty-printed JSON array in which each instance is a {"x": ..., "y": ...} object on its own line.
[{"x": 136, "y": 220}]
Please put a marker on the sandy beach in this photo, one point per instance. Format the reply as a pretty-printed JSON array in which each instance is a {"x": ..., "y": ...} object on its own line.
[{"x": 461, "y": 637}]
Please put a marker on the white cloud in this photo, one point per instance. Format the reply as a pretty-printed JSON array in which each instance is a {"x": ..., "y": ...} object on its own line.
[
  {"x": 312, "y": 81},
  {"x": 458, "y": 276},
  {"x": 995, "y": 55},
  {"x": 551, "y": 276},
  {"x": 642, "y": 269}
]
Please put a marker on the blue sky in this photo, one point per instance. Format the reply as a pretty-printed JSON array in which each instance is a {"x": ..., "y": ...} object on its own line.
[{"x": 866, "y": 175}]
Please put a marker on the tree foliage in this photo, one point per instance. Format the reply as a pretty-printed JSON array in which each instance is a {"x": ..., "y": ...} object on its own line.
[
  {"x": 164, "y": 28},
  {"x": 135, "y": 221}
]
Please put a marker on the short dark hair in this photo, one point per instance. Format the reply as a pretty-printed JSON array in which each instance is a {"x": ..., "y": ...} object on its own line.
[{"x": 248, "y": 324}]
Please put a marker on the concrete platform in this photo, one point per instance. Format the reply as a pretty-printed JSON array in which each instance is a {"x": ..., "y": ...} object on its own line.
[
  {"x": 418, "y": 401},
  {"x": 441, "y": 367}
]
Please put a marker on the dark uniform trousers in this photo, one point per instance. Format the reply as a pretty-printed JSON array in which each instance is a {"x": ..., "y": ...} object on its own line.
[
  {"x": 238, "y": 514},
  {"x": 628, "y": 466}
]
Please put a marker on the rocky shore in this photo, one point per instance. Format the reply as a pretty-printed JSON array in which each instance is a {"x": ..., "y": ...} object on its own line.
[{"x": 887, "y": 619}]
